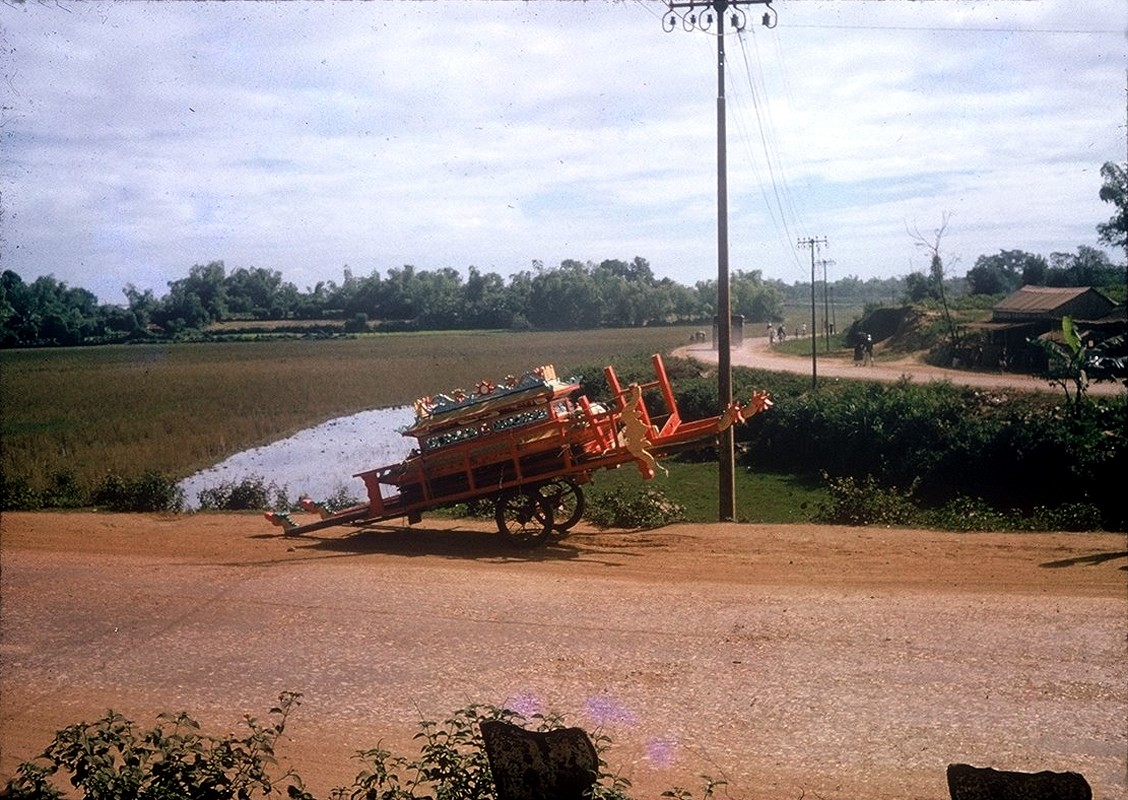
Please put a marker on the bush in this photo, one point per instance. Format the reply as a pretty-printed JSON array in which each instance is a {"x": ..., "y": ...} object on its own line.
[
  {"x": 358, "y": 323},
  {"x": 151, "y": 492},
  {"x": 64, "y": 491},
  {"x": 250, "y": 494},
  {"x": 1067, "y": 517},
  {"x": 452, "y": 762},
  {"x": 1014, "y": 452},
  {"x": 111, "y": 759},
  {"x": 969, "y": 514},
  {"x": 864, "y": 502},
  {"x": 155, "y": 492},
  {"x": 16, "y": 494},
  {"x": 253, "y": 493},
  {"x": 479, "y": 508},
  {"x": 632, "y": 507},
  {"x": 342, "y": 498}
]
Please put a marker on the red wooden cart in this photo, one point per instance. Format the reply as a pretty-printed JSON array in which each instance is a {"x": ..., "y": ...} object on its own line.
[{"x": 528, "y": 446}]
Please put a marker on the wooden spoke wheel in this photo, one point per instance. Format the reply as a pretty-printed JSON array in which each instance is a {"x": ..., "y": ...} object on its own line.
[
  {"x": 566, "y": 499},
  {"x": 524, "y": 518}
]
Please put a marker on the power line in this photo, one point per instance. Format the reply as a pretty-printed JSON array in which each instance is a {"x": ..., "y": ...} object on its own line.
[
  {"x": 940, "y": 29},
  {"x": 784, "y": 199}
]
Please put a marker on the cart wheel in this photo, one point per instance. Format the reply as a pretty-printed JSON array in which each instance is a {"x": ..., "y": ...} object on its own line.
[
  {"x": 524, "y": 517},
  {"x": 566, "y": 499}
]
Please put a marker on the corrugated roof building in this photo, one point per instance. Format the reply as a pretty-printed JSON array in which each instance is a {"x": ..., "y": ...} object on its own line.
[{"x": 1052, "y": 302}]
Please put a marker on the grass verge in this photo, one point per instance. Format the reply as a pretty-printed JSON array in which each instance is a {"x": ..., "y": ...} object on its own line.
[{"x": 760, "y": 497}]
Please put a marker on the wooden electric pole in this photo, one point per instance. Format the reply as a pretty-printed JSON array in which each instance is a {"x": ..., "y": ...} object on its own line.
[
  {"x": 703, "y": 15},
  {"x": 813, "y": 243}
]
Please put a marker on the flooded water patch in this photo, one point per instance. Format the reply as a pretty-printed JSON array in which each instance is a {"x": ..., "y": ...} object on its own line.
[{"x": 317, "y": 462}]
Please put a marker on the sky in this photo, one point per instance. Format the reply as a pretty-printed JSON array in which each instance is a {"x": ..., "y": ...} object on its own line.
[{"x": 141, "y": 138}]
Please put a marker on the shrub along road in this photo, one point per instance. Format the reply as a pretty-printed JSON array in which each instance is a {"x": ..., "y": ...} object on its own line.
[{"x": 790, "y": 660}]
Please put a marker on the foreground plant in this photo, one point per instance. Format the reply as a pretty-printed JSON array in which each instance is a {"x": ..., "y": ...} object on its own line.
[
  {"x": 1074, "y": 363},
  {"x": 111, "y": 759}
]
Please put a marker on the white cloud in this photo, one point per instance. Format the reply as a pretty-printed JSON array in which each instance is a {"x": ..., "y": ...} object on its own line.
[{"x": 143, "y": 138}]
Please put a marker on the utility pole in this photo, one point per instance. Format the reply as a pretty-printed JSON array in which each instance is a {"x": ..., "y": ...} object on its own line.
[
  {"x": 702, "y": 15},
  {"x": 812, "y": 243},
  {"x": 826, "y": 304},
  {"x": 833, "y": 322}
]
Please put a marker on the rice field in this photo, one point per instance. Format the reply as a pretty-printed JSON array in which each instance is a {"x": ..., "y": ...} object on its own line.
[{"x": 178, "y": 408}]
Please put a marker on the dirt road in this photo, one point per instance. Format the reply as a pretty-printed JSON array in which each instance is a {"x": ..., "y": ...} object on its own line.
[
  {"x": 757, "y": 353},
  {"x": 790, "y": 660}
]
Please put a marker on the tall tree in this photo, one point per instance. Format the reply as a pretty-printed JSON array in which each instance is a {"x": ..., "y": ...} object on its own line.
[
  {"x": 936, "y": 272},
  {"x": 254, "y": 291},
  {"x": 756, "y": 300},
  {"x": 1087, "y": 267},
  {"x": 1115, "y": 190},
  {"x": 1003, "y": 272},
  {"x": 195, "y": 301}
]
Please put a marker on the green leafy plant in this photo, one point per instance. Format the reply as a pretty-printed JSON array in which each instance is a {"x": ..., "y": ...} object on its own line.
[
  {"x": 951, "y": 442},
  {"x": 151, "y": 491},
  {"x": 865, "y": 502},
  {"x": 970, "y": 514},
  {"x": 249, "y": 494},
  {"x": 64, "y": 491},
  {"x": 16, "y": 494},
  {"x": 1066, "y": 362},
  {"x": 1073, "y": 363},
  {"x": 1067, "y": 517},
  {"x": 632, "y": 507},
  {"x": 680, "y": 793},
  {"x": 111, "y": 759}
]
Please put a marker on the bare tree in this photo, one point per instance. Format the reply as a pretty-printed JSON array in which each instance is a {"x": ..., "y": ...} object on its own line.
[{"x": 936, "y": 271}]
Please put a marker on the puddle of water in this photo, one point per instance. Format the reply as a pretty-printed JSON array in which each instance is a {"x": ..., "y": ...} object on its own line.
[{"x": 316, "y": 462}]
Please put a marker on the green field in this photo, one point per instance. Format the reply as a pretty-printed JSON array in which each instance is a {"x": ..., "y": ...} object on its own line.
[{"x": 177, "y": 408}]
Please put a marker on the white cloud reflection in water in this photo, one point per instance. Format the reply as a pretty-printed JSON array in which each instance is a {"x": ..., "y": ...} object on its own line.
[{"x": 316, "y": 462}]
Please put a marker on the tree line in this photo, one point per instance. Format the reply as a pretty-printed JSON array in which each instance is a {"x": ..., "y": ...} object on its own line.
[
  {"x": 1008, "y": 270},
  {"x": 574, "y": 295}
]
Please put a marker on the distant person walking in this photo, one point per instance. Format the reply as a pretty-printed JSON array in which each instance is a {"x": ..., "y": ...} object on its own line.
[
  {"x": 869, "y": 350},
  {"x": 859, "y": 351}
]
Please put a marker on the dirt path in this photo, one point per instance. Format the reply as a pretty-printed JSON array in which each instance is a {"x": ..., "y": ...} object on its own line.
[
  {"x": 791, "y": 660},
  {"x": 757, "y": 353}
]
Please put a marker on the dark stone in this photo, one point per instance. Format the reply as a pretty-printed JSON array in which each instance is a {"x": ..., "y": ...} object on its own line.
[
  {"x": 981, "y": 783},
  {"x": 555, "y": 765}
]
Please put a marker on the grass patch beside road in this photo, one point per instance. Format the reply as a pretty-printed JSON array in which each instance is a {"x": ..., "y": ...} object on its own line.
[{"x": 760, "y": 497}]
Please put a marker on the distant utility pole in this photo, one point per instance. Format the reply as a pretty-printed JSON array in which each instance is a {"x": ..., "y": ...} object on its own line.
[
  {"x": 703, "y": 15},
  {"x": 833, "y": 322},
  {"x": 826, "y": 303},
  {"x": 813, "y": 243}
]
